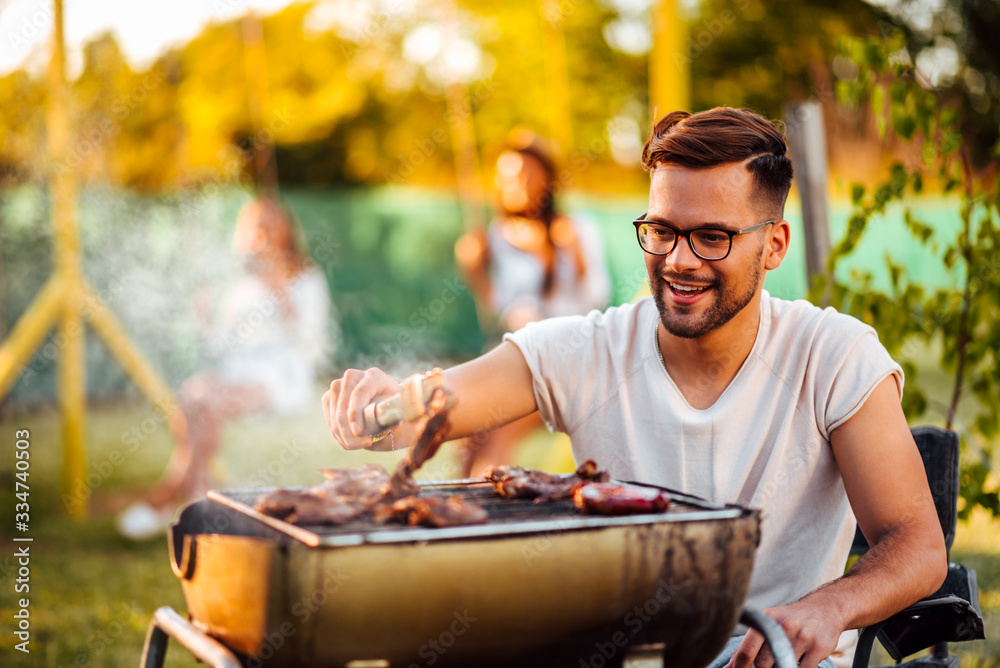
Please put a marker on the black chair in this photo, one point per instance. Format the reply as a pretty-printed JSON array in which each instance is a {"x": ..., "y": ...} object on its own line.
[{"x": 951, "y": 614}]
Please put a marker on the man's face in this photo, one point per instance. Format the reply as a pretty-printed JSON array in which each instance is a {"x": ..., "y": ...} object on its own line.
[{"x": 696, "y": 296}]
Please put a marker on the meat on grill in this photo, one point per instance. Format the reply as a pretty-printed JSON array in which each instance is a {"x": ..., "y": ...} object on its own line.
[
  {"x": 432, "y": 512},
  {"x": 343, "y": 496},
  {"x": 371, "y": 482},
  {"x": 349, "y": 493},
  {"x": 613, "y": 499},
  {"x": 302, "y": 508},
  {"x": 515, "y": 482}
]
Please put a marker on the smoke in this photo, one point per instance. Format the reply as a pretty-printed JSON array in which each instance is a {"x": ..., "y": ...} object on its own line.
[{"x": 151, "y": 259}]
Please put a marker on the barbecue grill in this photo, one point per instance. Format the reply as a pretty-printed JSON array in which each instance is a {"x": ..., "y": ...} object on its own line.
[{"x": 539, "y": 585}]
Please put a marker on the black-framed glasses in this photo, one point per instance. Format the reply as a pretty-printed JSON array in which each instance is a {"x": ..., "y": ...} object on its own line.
[{"x": 708, "y": 243}]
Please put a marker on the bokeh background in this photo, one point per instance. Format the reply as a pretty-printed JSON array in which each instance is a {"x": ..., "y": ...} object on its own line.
[{"x": 378, "y": 122}]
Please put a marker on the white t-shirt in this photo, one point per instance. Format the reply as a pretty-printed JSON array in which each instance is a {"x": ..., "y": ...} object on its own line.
[
  {"x": 763, "y": 444},
  {"x": 518, "y": 276}
]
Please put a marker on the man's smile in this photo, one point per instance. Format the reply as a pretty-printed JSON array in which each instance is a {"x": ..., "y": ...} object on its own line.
[{"x": 685, "y": 291}]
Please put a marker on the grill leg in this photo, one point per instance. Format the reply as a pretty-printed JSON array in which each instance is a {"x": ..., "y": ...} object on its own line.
[
  {"x": 168, "y": 624},
  {"x": 155, "y": 651},
  {"x": 784, "y": 655}
]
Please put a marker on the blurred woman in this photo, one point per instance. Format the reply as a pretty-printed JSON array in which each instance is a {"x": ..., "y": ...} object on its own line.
[
  {"x": 532, "y": 262},
  {"x": 267, "y": 338}
]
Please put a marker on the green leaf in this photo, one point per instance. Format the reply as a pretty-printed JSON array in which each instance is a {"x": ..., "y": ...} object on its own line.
[
  {"x": 903, "y": 123},
  {"x": 987, "y": 424},
  {"x": 882, "y": 196},
  {"x": 918, "y": 229},
  {"x": 949, "y": 258},
  {"x": 950, "y": 142},
  {"x": 857, "y": 192},
  {"x": 929, "y": 152},
  {"x": 948, "y": 118},
  {"x": 898, "y": 91},
  {"x": 847, "y": 93},
  {"x": 874, "y": 56},
  {"x": 925, "y": 114},
  {"x": 878, "y": 108},
  {"x": 895, "y": 273},
  {"x": 898, "y": 179},
  {"x": 974, "y": 479}
]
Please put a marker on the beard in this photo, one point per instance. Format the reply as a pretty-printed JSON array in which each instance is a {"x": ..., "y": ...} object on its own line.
[{"x": 728, "y": 302}]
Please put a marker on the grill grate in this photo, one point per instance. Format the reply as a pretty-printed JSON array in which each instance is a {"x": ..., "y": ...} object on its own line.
[{"x": 501, "y": 511}]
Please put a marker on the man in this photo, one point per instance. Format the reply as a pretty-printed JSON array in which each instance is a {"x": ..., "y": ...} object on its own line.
[{"x": 714, "y": 387}]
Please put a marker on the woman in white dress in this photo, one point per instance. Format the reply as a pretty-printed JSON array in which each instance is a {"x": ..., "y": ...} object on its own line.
[{"x": 266, "y": 341}]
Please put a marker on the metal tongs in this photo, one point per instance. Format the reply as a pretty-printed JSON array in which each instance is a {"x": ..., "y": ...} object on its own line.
[
  {"x": 425, "y": 399},
  {"x": 411, "y": 403}
]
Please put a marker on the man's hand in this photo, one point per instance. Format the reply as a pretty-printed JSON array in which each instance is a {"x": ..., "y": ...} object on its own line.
[
  {"x": 491, "y": 390},
  {"x": 812, "y": 627},
  {"x": 344, "y": 404}
]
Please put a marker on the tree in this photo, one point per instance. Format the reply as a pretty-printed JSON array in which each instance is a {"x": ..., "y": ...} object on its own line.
[
  {"x": 954, "y": 45},
  {"x": 963, "y": 320}
]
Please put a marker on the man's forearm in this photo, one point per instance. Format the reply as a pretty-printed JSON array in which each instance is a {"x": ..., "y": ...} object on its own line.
[
  {"x": 899, "y": 570},
  {"x": 490, "y": 391}
]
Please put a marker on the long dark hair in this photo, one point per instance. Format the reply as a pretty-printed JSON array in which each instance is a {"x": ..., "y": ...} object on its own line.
[{"x": 529, "y": 144}]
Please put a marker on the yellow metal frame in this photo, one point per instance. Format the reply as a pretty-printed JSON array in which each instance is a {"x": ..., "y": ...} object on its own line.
[
  {"x": 669, "y": 67},
  {"x": 67, "y": 299},
  {"x": 557, "y": 77}
]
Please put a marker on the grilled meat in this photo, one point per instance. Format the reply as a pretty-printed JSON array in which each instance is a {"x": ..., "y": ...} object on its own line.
[
  {"x": 432, "y": 512},
  {"x": 343, "y": 496},
  {"x": 349, "y": 493},
  {"x": 613, "y": 499},
  {"x": 310, "y": 509},
  {"x": 280, "y": 503},
  {"x": 370, "y": 482},
  {"x": 516, "y": 482}
]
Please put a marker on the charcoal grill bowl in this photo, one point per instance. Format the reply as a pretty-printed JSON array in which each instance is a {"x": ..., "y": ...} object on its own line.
[{"x": 563, "y": 591}]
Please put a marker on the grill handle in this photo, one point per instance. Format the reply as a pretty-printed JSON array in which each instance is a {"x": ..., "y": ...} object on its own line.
[
  {"x": 182, "y": 553},
  {"x": 168, "y": 624},
  {"x": 784, "y": 655}
]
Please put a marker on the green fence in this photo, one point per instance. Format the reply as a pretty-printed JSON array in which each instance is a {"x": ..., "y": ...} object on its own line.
[{"x": 386, "y": 252}]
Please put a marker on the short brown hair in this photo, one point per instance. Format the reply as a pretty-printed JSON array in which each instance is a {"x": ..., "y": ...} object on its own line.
[{"x": 722, "y": 136}]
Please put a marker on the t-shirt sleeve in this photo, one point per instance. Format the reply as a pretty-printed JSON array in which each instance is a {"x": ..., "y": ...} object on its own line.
[
  {"x": 852, "y": 364},
  {"x": 557, "y": 351}
]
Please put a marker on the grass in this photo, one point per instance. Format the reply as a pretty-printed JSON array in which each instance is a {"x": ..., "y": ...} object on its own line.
[{"x": 92, "y": 592}]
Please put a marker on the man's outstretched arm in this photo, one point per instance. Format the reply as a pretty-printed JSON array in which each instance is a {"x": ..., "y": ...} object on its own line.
[
  {"x": 886, "y": 485},
  {"x": 491, "y": 390}
]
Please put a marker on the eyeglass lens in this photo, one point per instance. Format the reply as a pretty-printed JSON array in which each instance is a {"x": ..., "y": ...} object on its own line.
[{"x": 709, "y": 244}]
